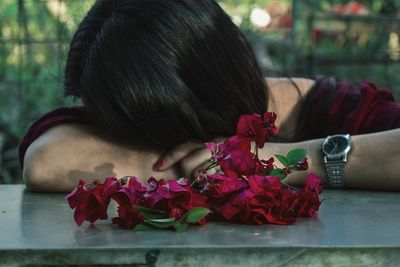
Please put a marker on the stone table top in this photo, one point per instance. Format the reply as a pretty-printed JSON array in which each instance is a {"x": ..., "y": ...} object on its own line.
[{"x": 361, "y": 227}]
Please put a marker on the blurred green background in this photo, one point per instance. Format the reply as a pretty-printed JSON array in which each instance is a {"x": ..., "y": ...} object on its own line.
[{"x": 352, "y": 40}]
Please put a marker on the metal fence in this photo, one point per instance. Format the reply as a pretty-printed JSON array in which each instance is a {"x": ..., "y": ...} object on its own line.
[{"x": 34, "y": 38}]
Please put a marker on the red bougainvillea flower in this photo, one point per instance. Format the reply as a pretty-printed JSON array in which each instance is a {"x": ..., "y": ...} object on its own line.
[
  {"x": 161, "y": 192},
  {"x": 264, "y": 167},
  {"x": 92, "y": 205},
  {"x": 283, "y": 210},
  {"x": 151, "y": 196},
  {"x": 228, "y": 153},
  {"x": 308, "y": 204},
  {"x": 176, "y": 213},
  {"x": 238, "y": 163},
  {"x": 231, "y": 209},
  {"x": 269, "y": 119},
  {"x": 128, "y": 217},
  {"x": 175, "y": 197},
  {"x": 313, "y": 183},
  {"x": 259, "y": 183},
  {"x": 223, "y": 150},
  {"x": 251, "y": 126},
  {"x": 309, "y": 201},
  {"x": 233, "y": 143},
  {"x": 113, "y": 188},
  {"x": 222, "y": 186},
  {"x": 262, "y": 202},
  {"x": 255, "y": 128},
  {"x": 171, "y": 188},
  {"x": 198, "y": 199},
  {"x": 87, "y": 206},
  {"x": 179, "y": 205},
  {"x": 303, "y": 164},
  {"x": 137, "y": 189}
]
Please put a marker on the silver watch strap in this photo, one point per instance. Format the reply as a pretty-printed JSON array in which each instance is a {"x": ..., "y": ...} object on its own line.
[{"x": 335, "y": 170}]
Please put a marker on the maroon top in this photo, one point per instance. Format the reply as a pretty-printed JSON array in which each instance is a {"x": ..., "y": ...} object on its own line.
[
  {"x": 331, "y": 107},
  {"x": 340, "y": 107}
]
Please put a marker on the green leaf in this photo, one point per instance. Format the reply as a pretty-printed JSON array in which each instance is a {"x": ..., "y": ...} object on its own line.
[
  {"x": 180, "y": 227},
  {"x": 163, "y": 220},
  {"x": 296, "y": 155},
  {"x": 143, "y": 227},
  {"x": 196, "y": 214},
  {"x": 161, "y": 223},
  {"x": 282, "y": 159},
  {"x": 278, "y": 172},
  {"x": 150, "y": 213}
]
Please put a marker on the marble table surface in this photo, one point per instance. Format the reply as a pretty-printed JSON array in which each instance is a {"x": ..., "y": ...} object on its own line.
[{"x": 361, "y": 228}]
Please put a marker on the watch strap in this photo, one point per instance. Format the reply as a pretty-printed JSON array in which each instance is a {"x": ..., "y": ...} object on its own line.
[{"x": 335, "y": 170}]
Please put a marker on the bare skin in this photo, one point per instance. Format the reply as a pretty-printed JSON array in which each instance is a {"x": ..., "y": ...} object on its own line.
[{"x": 66, "y": 153}]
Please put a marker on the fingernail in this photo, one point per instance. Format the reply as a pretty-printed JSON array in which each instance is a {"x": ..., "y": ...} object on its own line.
[{"x": 157, "y": 166}]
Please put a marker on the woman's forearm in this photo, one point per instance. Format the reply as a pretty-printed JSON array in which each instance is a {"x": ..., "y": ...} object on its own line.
[
  {"x": 373, "y": 162},
  {"x": 58, "y": 159}
]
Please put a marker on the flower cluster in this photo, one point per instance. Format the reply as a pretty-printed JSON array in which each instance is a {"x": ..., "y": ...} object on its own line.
[
  {"x": 237, "y": 186},
  {"x": 160, "y": 203}
]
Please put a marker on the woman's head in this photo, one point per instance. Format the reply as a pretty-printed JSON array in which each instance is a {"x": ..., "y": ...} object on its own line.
[{"x": 160, "y": 72}]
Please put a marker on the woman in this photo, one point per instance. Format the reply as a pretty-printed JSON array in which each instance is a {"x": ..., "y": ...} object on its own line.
[{"x": 159, "y": 77}]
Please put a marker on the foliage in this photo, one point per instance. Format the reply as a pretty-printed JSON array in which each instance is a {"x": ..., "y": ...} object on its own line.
[{"x": 34, "y": 40}]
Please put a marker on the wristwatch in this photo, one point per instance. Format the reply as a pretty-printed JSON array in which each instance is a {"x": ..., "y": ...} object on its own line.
[{"x": 336, "y": 148}]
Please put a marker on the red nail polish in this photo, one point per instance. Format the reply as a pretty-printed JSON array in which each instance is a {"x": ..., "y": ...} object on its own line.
[{"x": 158, "y": 165}]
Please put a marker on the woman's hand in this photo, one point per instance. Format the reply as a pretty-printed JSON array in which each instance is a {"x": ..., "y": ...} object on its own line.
[{"x": 188, "y": 158}]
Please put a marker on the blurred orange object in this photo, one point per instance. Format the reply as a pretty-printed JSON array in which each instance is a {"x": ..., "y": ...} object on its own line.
[
  {"x": 351, "y": 8},
  {"x": 281, "y": 15}
]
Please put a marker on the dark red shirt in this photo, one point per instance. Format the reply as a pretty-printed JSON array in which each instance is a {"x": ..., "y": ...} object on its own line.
[{"x": 334, "y": 107}]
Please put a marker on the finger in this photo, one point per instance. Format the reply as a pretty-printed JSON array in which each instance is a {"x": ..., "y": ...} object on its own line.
[
  {"x": 176, "y": 154},
  {"x": 295, "y": 179},
  {"x": 197, "y": 160}
]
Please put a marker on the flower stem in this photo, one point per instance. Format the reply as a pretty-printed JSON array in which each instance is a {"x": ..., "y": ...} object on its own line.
[
  {"x": 289, "y": 186},
  {"x": 212, "y": 165},
  {"x": 194, "y": 182},
  {"x": 256, "y": 151}
]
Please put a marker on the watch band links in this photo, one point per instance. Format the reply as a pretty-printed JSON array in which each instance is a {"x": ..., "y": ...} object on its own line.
[{"x": 335, "y": 170}]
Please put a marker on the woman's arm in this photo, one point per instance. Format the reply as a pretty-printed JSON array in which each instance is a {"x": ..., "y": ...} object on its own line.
[
  {"x": 373, "y": 162},
  {"x": 69, "y": 152}
]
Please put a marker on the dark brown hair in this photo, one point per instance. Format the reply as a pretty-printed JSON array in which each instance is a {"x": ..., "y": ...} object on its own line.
[{"x": 160, "y": 72}]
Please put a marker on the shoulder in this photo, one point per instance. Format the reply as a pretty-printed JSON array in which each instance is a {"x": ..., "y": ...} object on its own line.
[
  {"x": 64, "y": 137},
  {"x": 286, "y": 98},
  {"x": 48, "y": 121},
  {"x": 61, "y": 135},
  {"x": 49, "y": 149},
  {"x": 293, "y": 86}
]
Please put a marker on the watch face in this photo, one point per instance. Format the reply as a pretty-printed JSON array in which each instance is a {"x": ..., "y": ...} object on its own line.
[{"x": 336, "y": 146}]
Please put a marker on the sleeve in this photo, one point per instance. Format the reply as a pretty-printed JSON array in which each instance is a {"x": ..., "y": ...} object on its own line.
[
  {"x": 334, "y": 107},
  {"x": 51, "y": 119}
]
